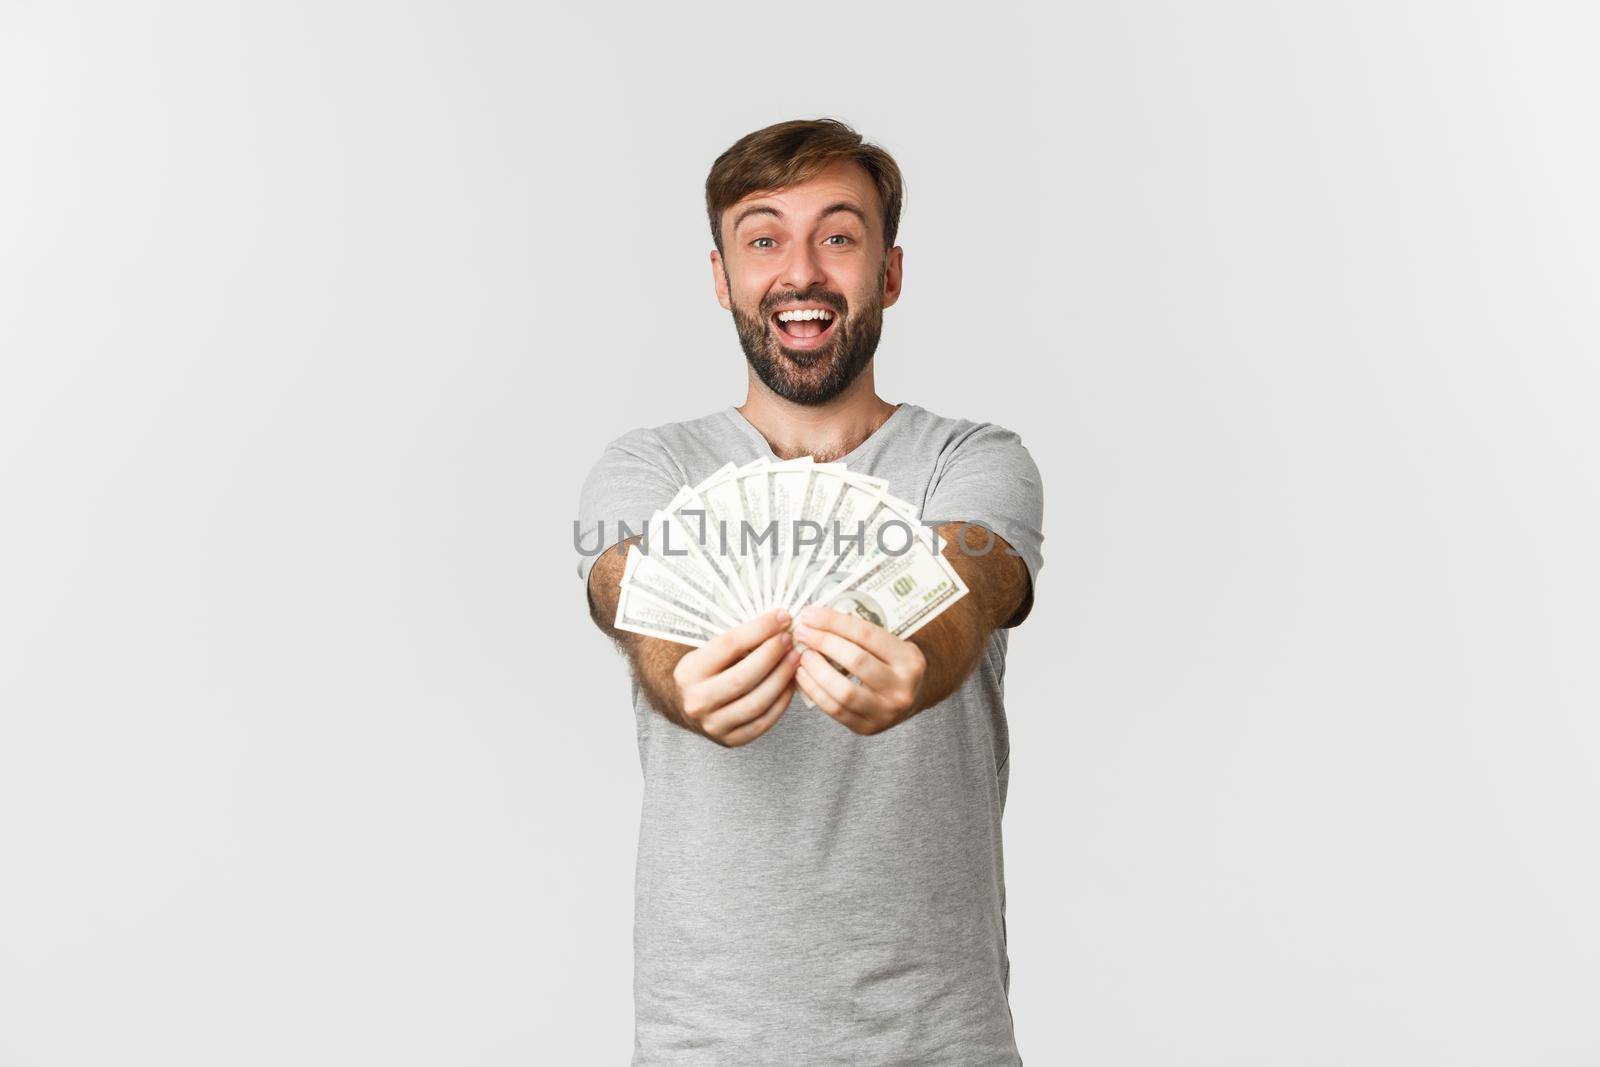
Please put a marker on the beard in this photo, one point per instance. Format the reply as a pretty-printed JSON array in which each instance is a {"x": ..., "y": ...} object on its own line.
[{"x": 813, "y": 376}]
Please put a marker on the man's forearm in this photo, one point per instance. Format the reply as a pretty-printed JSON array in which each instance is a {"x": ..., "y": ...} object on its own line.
[
  {"x": 997, "y": 586},
  {"x": 650, "y": 658}
]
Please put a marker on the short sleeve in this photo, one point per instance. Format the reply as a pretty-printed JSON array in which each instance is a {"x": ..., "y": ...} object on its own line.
[
  {"x": 633, "y": 477},
  {"x": 988, "y": 477}
]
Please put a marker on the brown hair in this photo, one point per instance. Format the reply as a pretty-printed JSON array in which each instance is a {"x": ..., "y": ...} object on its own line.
[{"x": 787, "y": 153}]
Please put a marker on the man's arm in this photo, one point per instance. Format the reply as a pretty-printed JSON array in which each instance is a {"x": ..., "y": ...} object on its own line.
[
  {"x": 730, "y": 690},
  {"x": 651, "y": 659},
  {"x": 998, "y": 589},
  {"x": 901, "y": 677}
]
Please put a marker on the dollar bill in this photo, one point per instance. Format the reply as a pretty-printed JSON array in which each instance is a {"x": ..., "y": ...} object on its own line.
[
  {"x": 718, "y": 498},
  {"x": 685, "y": 568},
  {"x": 697, "y": 522},
  {"x": 900, "y": 593},
  {"x": 824, "y": 482},
  {"x": 748, "y": 538},
  {"x": 755, "y": 501},
  {"x": 787, "y": 484},
  {"x": 638, "y": 612},
  {"x": 672, "y": 586},
  {"x": 843, "y": 531}
]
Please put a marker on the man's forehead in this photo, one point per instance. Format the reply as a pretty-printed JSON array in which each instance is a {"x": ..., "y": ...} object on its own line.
[{"x": 842, "y": 184}]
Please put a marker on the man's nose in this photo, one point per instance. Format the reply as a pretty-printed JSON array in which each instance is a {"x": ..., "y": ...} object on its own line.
[{"x": 803, "y": 267}]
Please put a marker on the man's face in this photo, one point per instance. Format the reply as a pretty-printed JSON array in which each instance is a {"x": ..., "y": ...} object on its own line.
[{"x": 817, "y": 245}]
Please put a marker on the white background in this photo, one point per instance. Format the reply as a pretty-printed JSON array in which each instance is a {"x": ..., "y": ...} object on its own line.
[{"x": 313, "y": 316}]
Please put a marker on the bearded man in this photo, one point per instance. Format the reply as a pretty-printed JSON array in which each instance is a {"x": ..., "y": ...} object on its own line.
[{"x": 822, "y": 885}]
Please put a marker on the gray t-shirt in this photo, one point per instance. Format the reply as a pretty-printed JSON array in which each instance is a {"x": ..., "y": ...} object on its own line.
[{"x": 818, "y": 896}]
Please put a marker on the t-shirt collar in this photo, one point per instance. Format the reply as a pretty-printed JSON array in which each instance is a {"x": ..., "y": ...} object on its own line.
[{"x": 873, "y": 439}]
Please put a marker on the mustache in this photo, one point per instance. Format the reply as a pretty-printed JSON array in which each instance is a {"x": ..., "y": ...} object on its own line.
[{"x": 832, "y": 301}]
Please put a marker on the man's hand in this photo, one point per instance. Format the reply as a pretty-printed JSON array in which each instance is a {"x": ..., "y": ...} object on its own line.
[
  {"x": 734, "y": 687},
  {"x": 891, "y": 670},
  {"x": 730, "y": 690},
  {"x": 901, "y": 677}
]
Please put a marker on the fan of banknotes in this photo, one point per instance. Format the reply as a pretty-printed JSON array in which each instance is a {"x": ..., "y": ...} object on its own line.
[{"x": 769, "y": 535}]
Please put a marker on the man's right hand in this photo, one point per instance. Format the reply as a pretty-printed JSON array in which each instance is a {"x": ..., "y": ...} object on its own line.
[{"x": 734, "y": 687}]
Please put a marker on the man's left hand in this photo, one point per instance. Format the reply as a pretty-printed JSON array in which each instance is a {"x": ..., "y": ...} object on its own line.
[{"x": 891, "y": 670}]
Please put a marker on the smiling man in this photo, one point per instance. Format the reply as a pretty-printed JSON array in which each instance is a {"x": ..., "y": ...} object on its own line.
[{"x": 823, "y": 886}]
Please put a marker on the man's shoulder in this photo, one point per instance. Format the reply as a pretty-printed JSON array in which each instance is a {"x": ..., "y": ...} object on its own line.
[
  {"x": 676, "y": 432},
  {"x": 670, "y": 438},
  {"x": 954, "y": 431}
]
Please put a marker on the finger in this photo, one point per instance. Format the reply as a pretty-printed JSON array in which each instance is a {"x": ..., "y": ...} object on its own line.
[
  {"x": 849, "y": 655},
  {"x": 747, "y": 733},
  {"x": 873, "y": 638},
  {"x": 828, "y": 704},
  {"x": 844, "y": 692},
  {"x": 734, "y": 643},
  {"x": 740, "y": 678},
  {"x": 748, "y": 705},
  {"x": 757, "y": 702}
]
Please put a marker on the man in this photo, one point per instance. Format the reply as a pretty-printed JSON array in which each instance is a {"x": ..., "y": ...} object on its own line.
[{"x": 823, "y": 885}]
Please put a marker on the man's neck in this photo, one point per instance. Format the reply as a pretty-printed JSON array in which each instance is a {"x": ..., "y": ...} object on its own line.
[{"x": 825, "y": 431}]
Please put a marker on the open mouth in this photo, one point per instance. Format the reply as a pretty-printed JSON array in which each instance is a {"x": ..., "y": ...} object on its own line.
[{"x": 804, "y": 333}]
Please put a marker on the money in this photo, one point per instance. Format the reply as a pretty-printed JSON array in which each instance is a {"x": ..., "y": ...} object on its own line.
[
  {"x": 769, "y": 534},
  {"x": 640, "y": 613},
  {"x": 900, "y": 593}
]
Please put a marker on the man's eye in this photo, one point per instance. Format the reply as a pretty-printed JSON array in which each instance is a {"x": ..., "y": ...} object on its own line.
[
  {"x": 841, "y": 236},
  {"x": 758, "y": 240}
]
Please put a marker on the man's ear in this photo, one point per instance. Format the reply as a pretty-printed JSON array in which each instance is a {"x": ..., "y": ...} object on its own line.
[
  {"x": 719, "y": 278},
  {"x": 893, "y": 274}
]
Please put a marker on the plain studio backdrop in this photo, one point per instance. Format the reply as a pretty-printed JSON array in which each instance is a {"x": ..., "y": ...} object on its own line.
[{"x": 313, "y": 317}]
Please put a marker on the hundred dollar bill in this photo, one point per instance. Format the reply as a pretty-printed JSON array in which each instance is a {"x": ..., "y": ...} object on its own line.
[
  {"x": 887, "y": 530},
  {"x": 719, "y": 499},
  {"x": 638, "y": 612},
  {"x": 696, "y": 520},
  {"x": 894, "y": 528},
  {"x": 842, "y": 533},
  {"x": 786, "y": 487},
  {"x": 670, "y": 586},
  {"x": 901, "y": 593},
  {"x": 913, "y": 518},
  {"x": 865, "y": 529},
  {"x": 866, "y": 481},
  {"x": 711, "y": 479},
  {"x": 756, "y": 500},
  {"x": 824, "y": 481},
  {"x": 668, "y": 551}
]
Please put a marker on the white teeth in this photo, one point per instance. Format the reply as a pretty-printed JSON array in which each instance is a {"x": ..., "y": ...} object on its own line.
[{"x": 802, "y": 316}]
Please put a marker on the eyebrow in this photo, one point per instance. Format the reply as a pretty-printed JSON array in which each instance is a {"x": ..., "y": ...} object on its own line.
[{"x": 829, "y": 210}]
